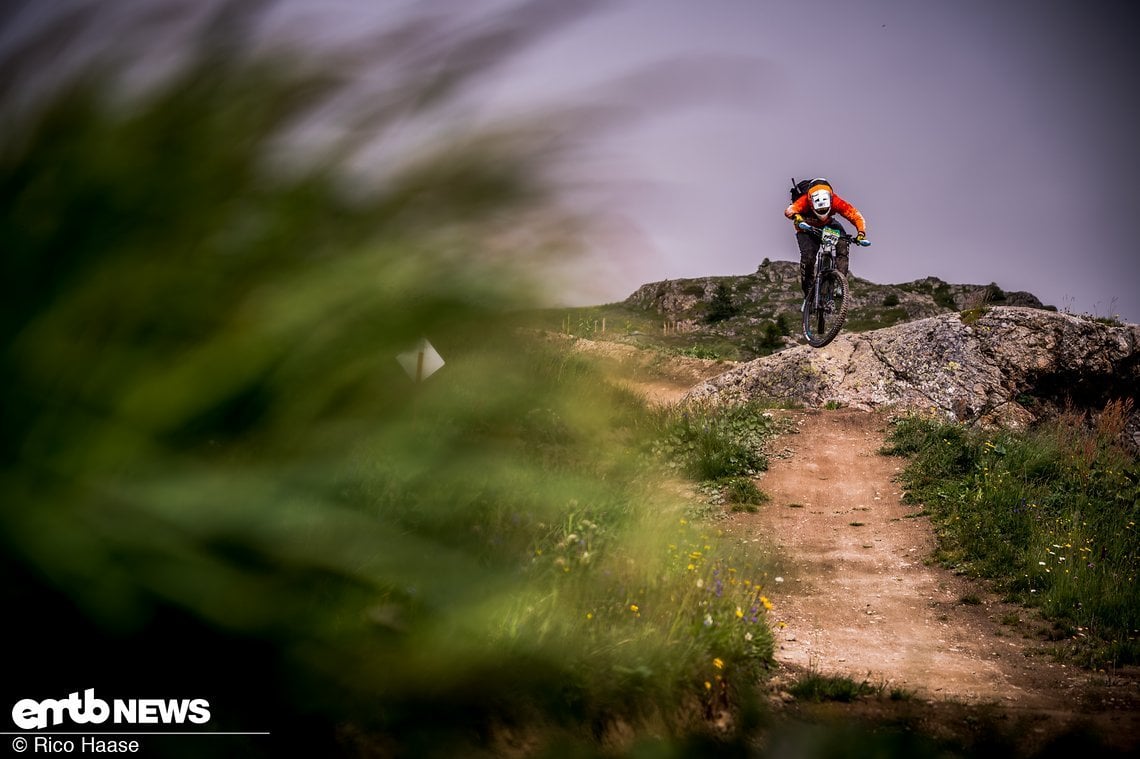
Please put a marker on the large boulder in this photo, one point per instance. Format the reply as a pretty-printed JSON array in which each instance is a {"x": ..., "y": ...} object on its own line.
[{"x": 1000, "y": 368}]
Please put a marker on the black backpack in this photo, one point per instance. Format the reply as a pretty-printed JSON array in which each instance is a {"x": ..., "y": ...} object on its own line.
[{"x": 801, "y": 187}]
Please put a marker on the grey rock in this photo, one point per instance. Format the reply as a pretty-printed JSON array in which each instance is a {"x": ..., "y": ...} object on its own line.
[{"x": 996, "y": 370}]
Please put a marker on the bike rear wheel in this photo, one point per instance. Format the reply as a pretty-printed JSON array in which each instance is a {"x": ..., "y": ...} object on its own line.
[{"x": 823, "y": 322}]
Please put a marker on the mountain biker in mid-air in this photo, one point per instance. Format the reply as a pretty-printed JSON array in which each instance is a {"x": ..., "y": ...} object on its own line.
[{"x": 817, "y": 204}]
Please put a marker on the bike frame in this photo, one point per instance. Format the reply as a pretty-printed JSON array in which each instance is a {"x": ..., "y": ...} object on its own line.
[
  {"x": 820, "y": 328},
  {"x": 829, "y": 238}
]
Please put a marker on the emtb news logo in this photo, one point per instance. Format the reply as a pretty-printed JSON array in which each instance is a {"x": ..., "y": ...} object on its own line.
[{"x": 29, "y": 714}]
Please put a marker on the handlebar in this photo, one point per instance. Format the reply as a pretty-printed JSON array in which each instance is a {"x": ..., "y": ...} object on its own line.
[{"x": 816, "y": 231}]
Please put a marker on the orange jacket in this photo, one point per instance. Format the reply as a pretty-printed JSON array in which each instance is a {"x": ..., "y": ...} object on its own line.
[{"x": 802, "y": 206}]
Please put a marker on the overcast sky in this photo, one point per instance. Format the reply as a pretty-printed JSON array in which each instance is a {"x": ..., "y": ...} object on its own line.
[{"x": 983, "y": 141}]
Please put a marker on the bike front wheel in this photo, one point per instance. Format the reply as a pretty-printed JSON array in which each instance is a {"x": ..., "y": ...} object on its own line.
[{"x": 824, "y": 315}]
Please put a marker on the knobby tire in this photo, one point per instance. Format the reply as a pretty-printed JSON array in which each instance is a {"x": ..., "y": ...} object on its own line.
[{"x": 821, "y": 327}]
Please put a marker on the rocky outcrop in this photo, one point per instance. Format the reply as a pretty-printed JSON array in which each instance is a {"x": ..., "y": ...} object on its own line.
[{"x": 1000, "y": 367}]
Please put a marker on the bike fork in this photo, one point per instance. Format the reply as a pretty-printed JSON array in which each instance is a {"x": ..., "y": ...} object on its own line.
[{"x": 812, "y": 298}]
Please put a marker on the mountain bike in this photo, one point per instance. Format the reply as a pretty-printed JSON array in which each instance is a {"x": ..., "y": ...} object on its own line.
[{"x": 825, "y": 307}]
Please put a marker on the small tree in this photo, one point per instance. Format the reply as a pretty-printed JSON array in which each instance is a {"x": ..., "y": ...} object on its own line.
[
  {"x": 772, "y": 336},
  {"x": 721, "y": 306},
  {"x": 783, "y": 325}
]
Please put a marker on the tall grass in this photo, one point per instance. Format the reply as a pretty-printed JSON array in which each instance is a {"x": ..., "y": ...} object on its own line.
[
  {"x": 710, "y": 442},
  {"x": 218, "y": 480},
  {"x": 1049, "y": 514}
]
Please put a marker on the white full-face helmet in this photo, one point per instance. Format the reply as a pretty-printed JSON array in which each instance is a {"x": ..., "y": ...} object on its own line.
[{"x": 820, "y": 201}]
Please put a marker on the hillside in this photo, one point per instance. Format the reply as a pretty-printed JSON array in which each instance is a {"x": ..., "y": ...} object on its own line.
[
  {"x": 740, "y": 318},
  {"x": 973, "y": 353},
  {"x": 774, "y": 289}
]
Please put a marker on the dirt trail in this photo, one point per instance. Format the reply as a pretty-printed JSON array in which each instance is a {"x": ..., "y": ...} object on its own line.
[{"x": 857, "y": 599}]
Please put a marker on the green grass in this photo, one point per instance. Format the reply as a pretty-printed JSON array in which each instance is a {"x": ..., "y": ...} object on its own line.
[
  {"x": 737, "y": 339},
  {"x": 742, "y": 494},
  {"x": 970, "y": 316},
  {"x": 1049, "y": 515},
  {"x": 618, "y": 320},
  {"x": 817, "y": 687},
  {"x": 708, "y": 352},
  {"x": 711, "y": 442},
  {"x": 865, "y": 320},
  {"x": 943, "y": 297}
]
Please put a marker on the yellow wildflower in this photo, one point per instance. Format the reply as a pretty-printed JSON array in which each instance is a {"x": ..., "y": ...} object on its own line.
[{"x": 718, "y": 663}]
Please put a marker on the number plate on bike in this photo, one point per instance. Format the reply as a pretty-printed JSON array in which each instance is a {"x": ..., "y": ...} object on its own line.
[{"x": 829, "y": 233}]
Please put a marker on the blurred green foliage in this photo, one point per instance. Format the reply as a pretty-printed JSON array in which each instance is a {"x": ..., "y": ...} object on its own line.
[{"x": 215, "y": 474}]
